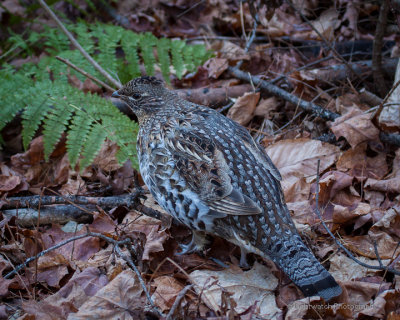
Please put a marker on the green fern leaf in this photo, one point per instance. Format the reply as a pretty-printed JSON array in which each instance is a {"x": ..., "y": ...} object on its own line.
[
  {"x": 147, "y": 42},
  {"x": 163, "y": 46},
  {"x": 55, "y": 124},
  {"x": 77, "y": 135},
  {"x": 177, "y": 59},
  {"x": 129, "y": 42},
  {"x": 96, "y": 136}
]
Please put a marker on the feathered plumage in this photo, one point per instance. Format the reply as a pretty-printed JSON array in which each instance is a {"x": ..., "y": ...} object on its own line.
[{"x": 206, "y": 171}]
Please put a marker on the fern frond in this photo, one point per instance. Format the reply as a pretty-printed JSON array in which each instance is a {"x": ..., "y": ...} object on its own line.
[
  {"x": 129, "y": 42},
  {"x": 96, "y": 136},
  {"x": 34, "y": 113},
  {"x": 55, "y": 124},
  {"x": 108, "y": 39},
  {"x": 188, "y": 58},
  {"x": 177, "y": 59},
  {"x": 77, "y": 135},
  {"x": 147, "y": 42},
  {"x": 11, "y": 100},
  {"x": 163, "y": 46},
  {"x": 48, "y": 100}
]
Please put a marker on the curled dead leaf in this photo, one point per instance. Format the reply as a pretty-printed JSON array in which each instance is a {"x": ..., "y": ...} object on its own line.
[
  {"x": 356, "y": 127},
  {"x": 243, "y": 109},
  {"x": 256, "y": 285},
  {"x": 167, "y": 288},
  {"x": 216, "y": 66}
]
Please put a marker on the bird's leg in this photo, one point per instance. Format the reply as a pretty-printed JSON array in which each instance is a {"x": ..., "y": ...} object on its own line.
[
  {"x": 243, "y": 259},
  {"x": 198, "y": 242}
]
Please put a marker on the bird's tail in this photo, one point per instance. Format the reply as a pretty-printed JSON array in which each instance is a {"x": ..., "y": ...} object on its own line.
[{"x": 299, "y": 263}]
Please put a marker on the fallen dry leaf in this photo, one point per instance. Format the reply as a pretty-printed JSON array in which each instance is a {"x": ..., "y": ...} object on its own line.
[
  {"x": 69, "y": 298},
  {"x": 331, "y": 183},
  {"x": 312, "y": 308},
  {"x": 297, "y": 160},
  {"x": 360, "y": 295},
  {"x": 243, "y": 109},
  {"x": 356, "y": 163},
  {"x": 326, "y": 24},
  {"x": 266, "y": 106},
  {"x": 119, "y": 299},
  {"x": 81, "y": 249},
  {"x": 390, "y": 115},
  {"x": 343, "y": 268},
  {"x": 167, "y": 288},
  {"x": 155, "y": 233},
  {"x": 385, "y": 303},
  {"x": 356, "y": 127},
  {"x": 362, "y": 245},
  {"x": 106, "y": 159},
  {"x": 302, "y": 212},
  {"x": 216, "y": 66},
  {"x": 230, "y": 51},
  {"x": 342, "y": 214},
  {"x": 247, "y": 287},
  {"x": 7, "y": 183},
  {"x": 300, "y": 156}
]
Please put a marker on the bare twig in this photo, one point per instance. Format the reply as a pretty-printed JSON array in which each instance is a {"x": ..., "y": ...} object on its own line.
[
  {"x": 115, "y": 82},
  {"x": 310, "y": 107},
  {"x": 248, "y": 41},
  {"x": 266, "y": 86},
  {"x": 87, "y": 75},
  {"x": 126, "y": 242},
  {"x": 348, "y": 253},
  {"x": 42, "y": 253},
  {"x": 327, "y": 43},
  {"x": 377, "y": 69},
  {"x": 383, "y": 102},
  {"x": 177, "y": 301}
]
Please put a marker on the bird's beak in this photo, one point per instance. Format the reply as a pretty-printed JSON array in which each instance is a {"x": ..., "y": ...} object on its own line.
[{"x": 115, "y": 94}]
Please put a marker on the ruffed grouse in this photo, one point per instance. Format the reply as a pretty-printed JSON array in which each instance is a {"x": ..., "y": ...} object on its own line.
[{"x": 206, "y": 171}]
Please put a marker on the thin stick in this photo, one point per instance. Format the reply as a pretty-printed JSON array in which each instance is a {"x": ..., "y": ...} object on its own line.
[
  {"x": 327, "y": 43},
  {"x": 349, "y": 254},
  {"x": 115, "y": 82},
  {"x": 127, "y": 242},
  {"x": 177, "y": 301},
  {"x": 87, "y": 75},
  {"x": 275, "y": 90},
  {"x": 377, "y": 69},
  {"x": 383, "y": 102}
]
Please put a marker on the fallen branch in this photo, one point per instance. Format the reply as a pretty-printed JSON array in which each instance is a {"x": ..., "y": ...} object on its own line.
[
  {"x": 78, "y": 207},
  {"x": 391, "y": 138},
  {"x": 129, "y": 200},
  {"x": 270, "y": 88},
  {"x": 60, "y": 214},
  {"x": 341, "y": 72},
  {"x": 377, "y": 69}
]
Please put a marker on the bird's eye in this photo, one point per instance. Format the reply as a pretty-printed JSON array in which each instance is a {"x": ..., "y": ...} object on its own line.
[{"x": 136, "y": 96}]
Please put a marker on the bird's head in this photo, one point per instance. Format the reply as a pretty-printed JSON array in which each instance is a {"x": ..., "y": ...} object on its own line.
[{"x": 144, "y": 95}]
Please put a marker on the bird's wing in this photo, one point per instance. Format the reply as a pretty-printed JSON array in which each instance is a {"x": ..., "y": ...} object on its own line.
[{"x": 199, "y": 161}]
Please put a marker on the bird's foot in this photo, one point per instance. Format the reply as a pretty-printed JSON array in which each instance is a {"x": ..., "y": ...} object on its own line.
[
  {"x": 243, "y": 259},
  {"x": 198, "y": 242}
]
